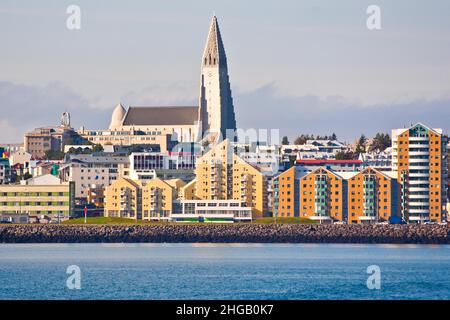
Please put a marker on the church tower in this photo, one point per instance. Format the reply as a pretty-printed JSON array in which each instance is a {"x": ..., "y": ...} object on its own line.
[{"x": 216, "y": 112}]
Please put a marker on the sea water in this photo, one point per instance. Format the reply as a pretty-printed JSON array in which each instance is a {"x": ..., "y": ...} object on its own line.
[{"x": 223, "y": 271}]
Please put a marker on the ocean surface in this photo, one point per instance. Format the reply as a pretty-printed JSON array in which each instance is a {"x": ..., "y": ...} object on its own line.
[{"x": 228, "y": 271}]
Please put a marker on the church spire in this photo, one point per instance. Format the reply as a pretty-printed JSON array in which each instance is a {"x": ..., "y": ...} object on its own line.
[
  {"x": 214, "y": 53},
  {"x": 216, "y": 113}
]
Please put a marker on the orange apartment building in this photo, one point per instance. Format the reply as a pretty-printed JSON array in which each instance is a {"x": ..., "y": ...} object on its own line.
[
  {"x": 419, "y": 159},
  {"x": 323, "y": 196},
  {"x": 365, "y": 196},
  {"x": 372, "y": 196}
]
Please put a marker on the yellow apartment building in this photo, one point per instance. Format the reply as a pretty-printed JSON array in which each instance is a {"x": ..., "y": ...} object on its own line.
[
  {"x": 149, "y": 200},
  {"x": 54, "y": 200},
  {"x": 222, "y": 175}
]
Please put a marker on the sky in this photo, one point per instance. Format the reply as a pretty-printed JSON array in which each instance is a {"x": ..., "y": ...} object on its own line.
[{"x": 297, "y": 66}]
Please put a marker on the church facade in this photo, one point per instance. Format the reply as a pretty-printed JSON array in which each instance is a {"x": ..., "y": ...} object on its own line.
[{"x": 211, "y": 119}]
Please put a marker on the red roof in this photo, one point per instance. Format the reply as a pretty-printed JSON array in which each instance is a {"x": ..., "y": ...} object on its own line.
[{"x": 314, "y": 161}]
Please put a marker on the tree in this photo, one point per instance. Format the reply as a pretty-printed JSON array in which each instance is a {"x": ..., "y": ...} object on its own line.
[
  {"x": 97, "y": 148},
  {"x": 54, "y": 155},
  {"x": 361, "y": 145},
  {"x": 380, "y": 142},
  {"x": 285, "y": 140},
  {"x": 301, "y": 139},
  {"x": 346, "y": 155}
]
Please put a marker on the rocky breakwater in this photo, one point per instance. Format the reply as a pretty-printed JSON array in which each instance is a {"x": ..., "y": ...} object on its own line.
[{"x": 222, "y": 233}]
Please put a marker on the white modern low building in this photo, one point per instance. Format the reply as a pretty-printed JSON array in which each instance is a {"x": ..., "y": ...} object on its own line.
[{"x": 212, "y": 211}]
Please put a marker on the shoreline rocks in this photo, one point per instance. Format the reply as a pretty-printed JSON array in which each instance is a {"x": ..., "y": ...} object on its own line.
[{"x": 226, "y": 233}]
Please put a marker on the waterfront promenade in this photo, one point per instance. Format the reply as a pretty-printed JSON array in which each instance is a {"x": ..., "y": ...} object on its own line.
[{"x": 226, "y": 233}]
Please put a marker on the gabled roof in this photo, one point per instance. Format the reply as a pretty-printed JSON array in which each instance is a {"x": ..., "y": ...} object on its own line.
[
  {"x": 128, "y": 180},
  {"x": 434, "y": 130},
  {"x": 376, "y": 171},
  {"x": 160, "y": 116},
  {"x": 336, "y": 174}
]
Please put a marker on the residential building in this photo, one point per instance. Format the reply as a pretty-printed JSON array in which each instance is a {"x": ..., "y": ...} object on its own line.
[
  {"x": 286, "y": 190},
  {"x": 381, "y": 161},
  {"x": 419, "y": 158},
  {"x": 157, "y": 197},
  {"x": 11, "y": 147},
  {"x": 20, "y": 156},
  {"x": 177, "y": 186},
  {"x": 373, "y": 196},
  {"x": 323, "y": 196},
  {"x": 222, "y": 175},
  {"x": 5, "y": 171},
  {"x": 98, "y": 168},
  {"x": 188, "y": 191},
  {"x": 138, "y": 200},
  {"x": 308, "y": 165},
  {"x": 42, "y": 195},
  {"x": 84, "y": 175},
  {"x": 313, "y": 149},
  {"x": 121, "y": 199},
  {"x": 365, "y": 196},
  {"x": 52, "y": 138}
]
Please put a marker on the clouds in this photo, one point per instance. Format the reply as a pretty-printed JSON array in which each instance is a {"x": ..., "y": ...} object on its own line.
[
  {"x": 266, "y": 107},
  {"x": 25, "y": 107},
  {"x": 162, "y": 95}
]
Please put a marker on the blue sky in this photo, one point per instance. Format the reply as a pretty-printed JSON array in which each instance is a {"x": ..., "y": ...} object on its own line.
[{"x": 299, "y": 66}]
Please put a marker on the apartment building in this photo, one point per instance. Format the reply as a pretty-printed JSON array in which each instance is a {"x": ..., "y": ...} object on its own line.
[
  {"x": 365, "y": 196},
  {"x": 222, "y": 175},
  {"x": 419, "y": 158},
  {"x": 5, "y": 171},
  {"x": 138, "y": 200},
  {"x": 85, "y": 175},
  {"x": 286, "y": 194},
  {"x": 372, "y": 196},
  {"x": 309, "y": 165},
  {"x": 121, "y": 199},
  {"x": 52, "y": 138},
  {"x": 323, "y": 196},
  {"x": 44, "y": 195},
  {"x": 87, "y": 170}
]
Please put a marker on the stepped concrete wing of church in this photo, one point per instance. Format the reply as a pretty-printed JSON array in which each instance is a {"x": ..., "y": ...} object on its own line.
[{"x": 159, "y": 116}]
